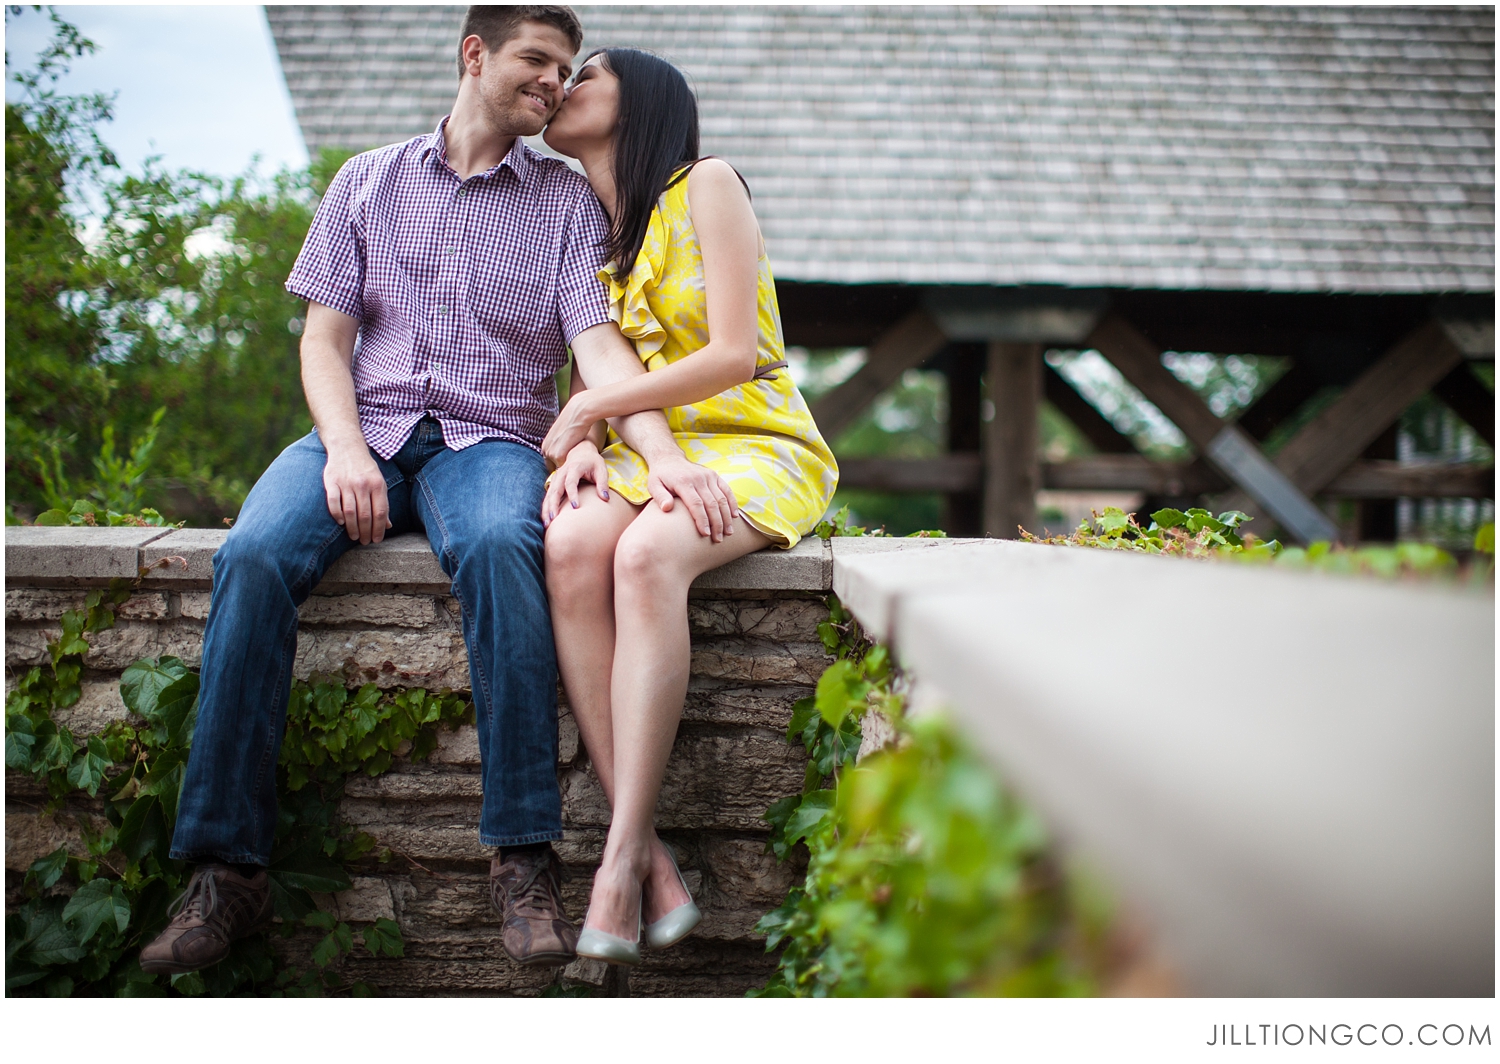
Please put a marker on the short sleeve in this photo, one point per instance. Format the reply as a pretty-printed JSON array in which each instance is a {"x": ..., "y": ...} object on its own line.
[
  {"x": 581, "y": 300},
  {"x": 331, "y": 266}
]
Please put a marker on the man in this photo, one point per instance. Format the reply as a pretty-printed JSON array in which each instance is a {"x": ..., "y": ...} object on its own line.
[{"x": 445, "y": 278}]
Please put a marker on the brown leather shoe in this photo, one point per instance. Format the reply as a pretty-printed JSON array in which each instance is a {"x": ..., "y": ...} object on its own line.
[
  {"x": 219, "y": 906},
  {"x": 527, "y": 892}
]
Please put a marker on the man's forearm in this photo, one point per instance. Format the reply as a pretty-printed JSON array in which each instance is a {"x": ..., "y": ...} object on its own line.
[{"x": 328, "y": 381}]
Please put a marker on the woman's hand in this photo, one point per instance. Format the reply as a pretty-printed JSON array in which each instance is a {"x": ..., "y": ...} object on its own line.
[
  {"x": 584, "y": 462},
  {"x": 571, "y": 428},
  {"x": 706, "y": 495}
]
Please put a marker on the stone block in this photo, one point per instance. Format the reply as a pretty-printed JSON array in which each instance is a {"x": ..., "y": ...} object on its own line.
[
  {"x": 194, "y": 604},
  {"x": 31, "y": 835},
  {"x": 49, "y": 604},
  {"x": 97, "y": 708},
  {"x": 368, "y": 900},
  {"x": 352, "y": 611},
  {"x": 115, "y": 648},
  {"x": 430, "y": 658},
  {"x": 758, "y": 661},
  {"x": 793, "y": 620},
  {"x": 194, "y": 546},
  {"x": 72, "y": 554},
  {"x": 806, "y": 567},
  {"x": 404, "y": 559},
  {"x": 718, "y": 702}
]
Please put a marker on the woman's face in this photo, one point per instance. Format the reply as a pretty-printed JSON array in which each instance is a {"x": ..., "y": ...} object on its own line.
[{"x": 591, "y": 106}]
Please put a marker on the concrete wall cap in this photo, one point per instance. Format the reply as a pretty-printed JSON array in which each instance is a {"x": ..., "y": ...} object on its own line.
[{"x": 68, "y": 552}]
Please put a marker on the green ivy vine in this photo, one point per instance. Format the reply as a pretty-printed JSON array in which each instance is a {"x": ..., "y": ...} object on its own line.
[{"x": 85, "y": 918}]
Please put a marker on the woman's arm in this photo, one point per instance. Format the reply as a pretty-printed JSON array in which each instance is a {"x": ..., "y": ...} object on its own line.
[{"x": 730, "y": 242}]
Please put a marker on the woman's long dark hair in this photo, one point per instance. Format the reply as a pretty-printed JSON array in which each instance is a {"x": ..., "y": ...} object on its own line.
[{"x": 655, "y": 134}]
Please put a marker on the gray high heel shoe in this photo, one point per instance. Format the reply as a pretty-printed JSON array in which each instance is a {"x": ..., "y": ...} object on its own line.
[
  {"x": 674, "y": 927},
  {"x": 612, "y": 949}
]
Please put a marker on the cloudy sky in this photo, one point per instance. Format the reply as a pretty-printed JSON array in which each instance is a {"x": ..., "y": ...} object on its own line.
[{"x": 198, "y": 85}]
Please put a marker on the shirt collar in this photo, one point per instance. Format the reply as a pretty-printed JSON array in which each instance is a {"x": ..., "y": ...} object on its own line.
[{"x": 518, "y": 158}]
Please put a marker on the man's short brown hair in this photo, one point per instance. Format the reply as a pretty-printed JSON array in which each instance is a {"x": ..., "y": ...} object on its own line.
[{"x": 494, "y": 24}]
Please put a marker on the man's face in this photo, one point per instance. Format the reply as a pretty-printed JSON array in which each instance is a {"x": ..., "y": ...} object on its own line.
[{"x": 521, "y": 84}]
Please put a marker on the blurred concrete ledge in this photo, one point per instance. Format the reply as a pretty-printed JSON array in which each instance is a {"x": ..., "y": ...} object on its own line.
[{"x": 1292, "y": 775}]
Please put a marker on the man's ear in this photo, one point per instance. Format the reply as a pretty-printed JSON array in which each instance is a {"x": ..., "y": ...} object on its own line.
[{"x": 474, "y": 53}]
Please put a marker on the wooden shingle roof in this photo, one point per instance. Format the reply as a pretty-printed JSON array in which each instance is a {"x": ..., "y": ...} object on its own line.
[{"x": 1284, "y": 149}]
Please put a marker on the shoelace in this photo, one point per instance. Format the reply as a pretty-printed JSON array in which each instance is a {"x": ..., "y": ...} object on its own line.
[
  {"x": 204, "y": 887},
  {"x": 533, "y": 890}
]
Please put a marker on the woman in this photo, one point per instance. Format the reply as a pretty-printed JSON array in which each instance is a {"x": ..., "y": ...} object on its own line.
[{"x": 690, "y": 285}]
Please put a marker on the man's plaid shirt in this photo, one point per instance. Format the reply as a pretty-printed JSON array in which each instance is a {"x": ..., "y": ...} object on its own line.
[{"x": 467, "y": 292}]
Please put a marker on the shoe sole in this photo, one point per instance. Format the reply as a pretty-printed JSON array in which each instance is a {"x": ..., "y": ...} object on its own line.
[
  {"x": 171, "y": 968},
  {"x": 542, "y": 960}
]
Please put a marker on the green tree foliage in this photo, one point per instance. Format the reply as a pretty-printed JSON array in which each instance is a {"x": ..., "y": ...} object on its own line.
[{"x": 127, "y": 294}]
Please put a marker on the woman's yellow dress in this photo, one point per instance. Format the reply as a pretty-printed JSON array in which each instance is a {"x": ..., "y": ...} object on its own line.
[{"x": 759, "y": 436}]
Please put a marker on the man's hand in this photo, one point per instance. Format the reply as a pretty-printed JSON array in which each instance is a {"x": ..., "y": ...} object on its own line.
[
  {"x": 572, "y": 427},
  {"x": 583, "y": 463},
  {"x": 356, "y": 494},
  {"x": 706, "y": 495}
]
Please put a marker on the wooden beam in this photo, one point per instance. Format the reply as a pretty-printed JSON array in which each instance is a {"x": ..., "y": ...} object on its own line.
[
  {"x": 1095, "y": 427},
  {"x": 1139, "y": 361},
  {"x": 907, "y": 344},
  {"x": 949, "y": 473},
  {"x": 1012, "y": 462},
  {"x": 1134, "y": 472},
  {"x": 1228, "y": 448},
  {"x": 1468, "y": 397},
  {"x": 1331, "y": 442}
]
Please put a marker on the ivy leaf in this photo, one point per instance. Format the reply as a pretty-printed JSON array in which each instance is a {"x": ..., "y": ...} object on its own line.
[
  {"x": 841, "y": 691},
  {"x": 384, "y": 939},
  {"x": 20, "y": 740},
  {"x": 338, "y": 941},
  {"x": 175, "y": 711},
  {"x": 87, "y": 770},
  {"x": 98, "y": 903},
  {"x": 813, "y": 813},
  {"x": 55, "y": 748},
  {"x": 45, "y": 940},
  {"x": 143, "y": 830},
  {"x": 803, "y": 710},
  {"x": 144, "y": 680},
  {"x": 1169, "y": 518},
  {"x": 48, "y": 870},
  {"x": 308, "y": 868}
]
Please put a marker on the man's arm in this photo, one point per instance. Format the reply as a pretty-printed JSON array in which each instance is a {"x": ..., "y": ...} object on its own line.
[
  {"x": 351, "y": 478},
  {"x": 604, "y": 356}
]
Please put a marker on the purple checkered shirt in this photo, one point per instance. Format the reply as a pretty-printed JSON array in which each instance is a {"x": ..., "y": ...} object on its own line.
[{"x": 467, "y": 292}]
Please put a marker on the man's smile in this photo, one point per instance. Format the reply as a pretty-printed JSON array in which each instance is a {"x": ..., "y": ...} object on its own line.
[{"x": 543, "y": 103}]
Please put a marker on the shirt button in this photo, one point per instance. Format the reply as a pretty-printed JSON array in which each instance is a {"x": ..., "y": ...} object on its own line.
[
  {"x": 442, "y": 310},
  {"x": 452, "y": 251}
]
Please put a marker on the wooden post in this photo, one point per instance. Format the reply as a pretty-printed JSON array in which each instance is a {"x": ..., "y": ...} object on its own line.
[
  {"x": 963, "y": 515},
  {"x": 1012, "y": 468}
]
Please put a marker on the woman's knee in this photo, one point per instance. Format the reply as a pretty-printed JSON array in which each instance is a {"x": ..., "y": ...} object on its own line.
[
  {"x": 644, "y": 562},
  {"x": 578, "y": 553}
]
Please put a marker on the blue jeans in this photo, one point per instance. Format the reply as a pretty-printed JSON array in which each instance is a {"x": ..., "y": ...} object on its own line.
[{"x": 481, "y": 510}]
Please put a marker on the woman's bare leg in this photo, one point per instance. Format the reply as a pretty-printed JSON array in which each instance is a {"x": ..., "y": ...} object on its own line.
[
  {"x": 580, "y": 549},
  {"x": 656, "y": 559}
]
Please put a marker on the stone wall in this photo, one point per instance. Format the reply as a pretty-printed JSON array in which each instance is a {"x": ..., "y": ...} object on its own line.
[{"x": 384, "y": 614}]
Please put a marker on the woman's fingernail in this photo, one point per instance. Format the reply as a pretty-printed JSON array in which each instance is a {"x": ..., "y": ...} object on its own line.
[
  {"x": 575, "y": 504},
  {"x": 606, "y": 495}
]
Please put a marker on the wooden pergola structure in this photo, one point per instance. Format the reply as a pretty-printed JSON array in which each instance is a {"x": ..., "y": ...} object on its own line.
[{"x": 966, "y": 188}]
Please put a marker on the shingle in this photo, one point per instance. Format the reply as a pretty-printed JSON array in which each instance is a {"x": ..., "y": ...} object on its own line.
[{"x": 1270, "y": 148}]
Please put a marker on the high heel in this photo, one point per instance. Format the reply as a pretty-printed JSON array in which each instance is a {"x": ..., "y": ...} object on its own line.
[
  {"x": 612, "y": 949},
  {"x": 674, "y": 927}
]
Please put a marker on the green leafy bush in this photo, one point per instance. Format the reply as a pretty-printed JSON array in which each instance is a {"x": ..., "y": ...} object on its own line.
[{"x": 924, "y": 876}]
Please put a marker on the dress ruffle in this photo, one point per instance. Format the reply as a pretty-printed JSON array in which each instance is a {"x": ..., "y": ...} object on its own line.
[{"x": 628, "y": 306}]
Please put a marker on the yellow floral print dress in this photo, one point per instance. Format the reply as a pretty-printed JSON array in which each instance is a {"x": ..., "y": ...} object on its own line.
[{"x": 759, "y": 436}]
